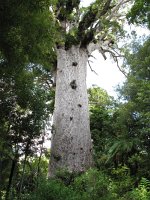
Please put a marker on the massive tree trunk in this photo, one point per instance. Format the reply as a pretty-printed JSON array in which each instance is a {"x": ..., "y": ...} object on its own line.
[
  {"x": 71, "y": 148},
  {"x": 71, "y": 141}
]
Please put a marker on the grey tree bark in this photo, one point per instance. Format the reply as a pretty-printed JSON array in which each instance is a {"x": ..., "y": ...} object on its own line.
[{"x": 71, "y": 147}]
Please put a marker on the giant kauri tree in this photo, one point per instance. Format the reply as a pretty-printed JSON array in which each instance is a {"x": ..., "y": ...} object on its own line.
[{"x": 80, "y": 32}]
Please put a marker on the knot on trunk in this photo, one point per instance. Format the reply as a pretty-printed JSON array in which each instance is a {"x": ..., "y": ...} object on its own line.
[
  {"x": 74, "y": 64},
  {"x": 73, "y": 84},
  {"x": 56, "y": 157}
]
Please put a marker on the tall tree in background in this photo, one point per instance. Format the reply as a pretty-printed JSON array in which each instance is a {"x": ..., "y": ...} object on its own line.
[
  {"x": 136, "y": 91},
  {"x": 140, "y": 13},
  {"x": 82, "y": 30},
  {"x": 102, "y": 108},
  {"x": 26, "y": 55}
]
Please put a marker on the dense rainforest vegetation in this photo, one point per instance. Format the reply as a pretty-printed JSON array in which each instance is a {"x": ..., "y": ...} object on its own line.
[{"x": 120, "y": 128}]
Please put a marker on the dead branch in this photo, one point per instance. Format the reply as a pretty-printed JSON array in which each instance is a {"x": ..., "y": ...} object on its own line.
[
  {"x": 91, "y": 68},
  {"x": 91, "y": 56},
  {"x": 115, "y": 58}
]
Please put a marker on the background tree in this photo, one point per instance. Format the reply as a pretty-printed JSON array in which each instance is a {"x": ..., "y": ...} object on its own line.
[
  {"x": 121, "y": 134},
  {"x": 139, "y": 13},
  {"x": 136, "y": 91},
  {"x": 26, "y": 56},
  {"x": 102, "y": 107}
]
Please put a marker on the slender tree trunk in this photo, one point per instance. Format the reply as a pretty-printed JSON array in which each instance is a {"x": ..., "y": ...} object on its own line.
[
  {"x": 1, "y": 171},
  {"x": 71, "y": 140},
  {"x": 39, "y": 161},
  {"x": 14, "y": 163},
  {"x": 23, "y": 170},
  {"x": 22, "y": 176}
]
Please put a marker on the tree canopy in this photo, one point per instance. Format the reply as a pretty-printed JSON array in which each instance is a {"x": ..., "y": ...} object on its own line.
[
  {"x": 139, "y": 13},
  {"x": 26, "y": 32}
]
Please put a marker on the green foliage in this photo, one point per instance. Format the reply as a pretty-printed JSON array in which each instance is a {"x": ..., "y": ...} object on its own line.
[
  {"x": 25, "y": 109},
  {"x": 92, "y": 185},
  {"x": 120, "y": 131},
  {"x": 136, "y": 92},
  {"x": 98, "y": 97},
  {"x": 25, "y": 99},
  {"x": 140, "y": 13},
  {"x": 66, "y": 8},
  {"x": 26, "y": 56},
  {"x": 142, "y": 192},
  {"x": 53, "y": 189},
  {"x": 101, "y": 110},
  {"x": 25, "y": 31},
  {"x": 86, "y": 23},
  {"x": 122, "y": 181}
]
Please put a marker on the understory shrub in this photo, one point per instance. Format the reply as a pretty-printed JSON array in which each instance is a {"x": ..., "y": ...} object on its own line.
[
  {"x": 142, "y": 192},
  {"x": 92, "y": 185},
  {"x": 53, "y": 190}
]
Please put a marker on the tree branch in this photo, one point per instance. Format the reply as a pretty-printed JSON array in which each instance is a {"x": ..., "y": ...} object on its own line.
[
  {"x": 91, "y": 67},
  {"x": 65, "y": 8},
  {"x": 116, "y": 8},
  {"x": 87, "y": 21},
  {"x": 100, "y": 47},
  {"x": 91, "y": 56},
  {"x": 106, "y": 8},
  {"x": 115, "y": 58}
]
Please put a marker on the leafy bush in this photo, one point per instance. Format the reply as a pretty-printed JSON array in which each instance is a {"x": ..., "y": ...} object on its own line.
[
  {"x": 142, "y": 192},
  {"x": 122, "y": 181},
  {"x": 92, "y": 185},
  {"x": 53, "y": 190}
]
